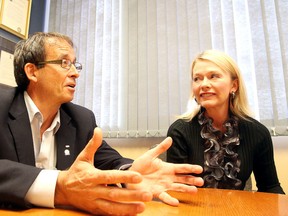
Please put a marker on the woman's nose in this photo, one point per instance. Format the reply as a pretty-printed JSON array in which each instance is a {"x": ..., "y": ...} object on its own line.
[{"x": 205, "y": 82}]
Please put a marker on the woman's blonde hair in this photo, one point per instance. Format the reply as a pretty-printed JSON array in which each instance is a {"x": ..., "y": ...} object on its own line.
[{"x": 239, "y": 104}]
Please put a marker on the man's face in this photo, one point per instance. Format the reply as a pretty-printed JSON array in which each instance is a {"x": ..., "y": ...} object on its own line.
[{"x": 55, "y": 83}]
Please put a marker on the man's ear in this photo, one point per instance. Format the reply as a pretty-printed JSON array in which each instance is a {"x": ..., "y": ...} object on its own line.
[{"x": 31, "y": 71}]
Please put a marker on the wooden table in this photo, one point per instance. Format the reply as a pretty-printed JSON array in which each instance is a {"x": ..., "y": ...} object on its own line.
[
  {"x": 205, "y": 202},
  {"x": 216, "y": 202}
]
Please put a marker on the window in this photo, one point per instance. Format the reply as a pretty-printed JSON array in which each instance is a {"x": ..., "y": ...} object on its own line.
[{"x": 136, "y": 56}]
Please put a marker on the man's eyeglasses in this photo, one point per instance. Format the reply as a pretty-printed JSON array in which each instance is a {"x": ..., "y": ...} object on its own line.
[{"x": 65, "y": 63}]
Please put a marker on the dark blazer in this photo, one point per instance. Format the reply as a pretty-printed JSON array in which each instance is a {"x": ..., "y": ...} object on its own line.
[{"x": 17, "y": 159}]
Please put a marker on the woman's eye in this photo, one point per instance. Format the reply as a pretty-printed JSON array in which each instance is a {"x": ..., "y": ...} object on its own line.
[{"x": 214, "y": 76}]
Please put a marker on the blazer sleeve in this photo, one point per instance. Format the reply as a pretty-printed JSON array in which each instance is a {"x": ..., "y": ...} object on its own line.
[
  {"x": 15, "y": 180},
  {"x": 107, "y": 158},
  {"x": 257, "y": 139},
  {"x": 264, "y": 166},
  {"x": 15, "y": 177},
  {"x": 84, "y": 122}
]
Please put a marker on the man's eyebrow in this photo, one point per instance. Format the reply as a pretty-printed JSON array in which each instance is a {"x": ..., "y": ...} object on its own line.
[{"x": 66, "y": 56}]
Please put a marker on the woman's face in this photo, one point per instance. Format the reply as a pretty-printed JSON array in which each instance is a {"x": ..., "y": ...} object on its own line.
[{"x": 212, "y": 86}]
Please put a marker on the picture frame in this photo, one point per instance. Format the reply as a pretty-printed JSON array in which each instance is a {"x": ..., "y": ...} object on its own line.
[
  {"x": 15, "y": 16},
  {"x": 7, "y": 48}
]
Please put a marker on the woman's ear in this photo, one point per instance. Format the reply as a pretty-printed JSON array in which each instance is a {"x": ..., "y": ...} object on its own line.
[
  {"x": 31, "y": 71},
  {"x": 235, "y": 85}
]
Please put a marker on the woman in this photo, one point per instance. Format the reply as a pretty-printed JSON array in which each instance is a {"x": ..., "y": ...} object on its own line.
[{"x": 219, "y": 133}]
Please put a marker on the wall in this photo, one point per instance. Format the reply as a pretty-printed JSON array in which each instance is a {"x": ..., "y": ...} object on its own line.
[{"x": 134, "y": 147}]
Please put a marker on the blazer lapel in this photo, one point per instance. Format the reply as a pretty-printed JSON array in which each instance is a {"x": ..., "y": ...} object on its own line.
[
  {"x": 20, "y": 128},
  {"x": 65, "y": 141}
]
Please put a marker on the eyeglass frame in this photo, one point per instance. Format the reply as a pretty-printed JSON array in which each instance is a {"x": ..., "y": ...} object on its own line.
[{"x": 69, "y": 64}]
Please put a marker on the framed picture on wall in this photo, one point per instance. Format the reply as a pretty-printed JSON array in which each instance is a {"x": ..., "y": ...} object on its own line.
[
  {"x": 15, "y": 16},
  {"x": 7, "y": 48}
]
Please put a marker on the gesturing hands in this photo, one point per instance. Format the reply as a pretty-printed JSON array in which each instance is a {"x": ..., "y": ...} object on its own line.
[
  {"x": 85, "y": 187},
  {"x": 159, "y": 176}
]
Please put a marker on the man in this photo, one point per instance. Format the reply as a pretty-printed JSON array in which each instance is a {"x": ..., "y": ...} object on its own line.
[{"x": 44, "y": 156}]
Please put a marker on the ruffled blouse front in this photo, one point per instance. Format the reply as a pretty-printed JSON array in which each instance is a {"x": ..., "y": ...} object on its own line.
[{"x": 221, "y": 161}]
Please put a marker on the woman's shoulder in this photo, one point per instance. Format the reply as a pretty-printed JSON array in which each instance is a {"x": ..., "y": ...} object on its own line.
[
  {"x": 183, "y": 124},
  {"x": 252, "y": 125}
]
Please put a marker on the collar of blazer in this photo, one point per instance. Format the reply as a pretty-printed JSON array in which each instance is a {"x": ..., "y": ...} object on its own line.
[{"x": 21, "y": 131}]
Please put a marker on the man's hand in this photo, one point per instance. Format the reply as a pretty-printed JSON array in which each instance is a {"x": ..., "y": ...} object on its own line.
[
  {"x": 159, "y": 176},
  {"x": 85, "y": 187}
]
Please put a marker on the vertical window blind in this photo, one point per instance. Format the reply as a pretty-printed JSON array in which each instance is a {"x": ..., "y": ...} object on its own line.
[{"x": 136, "y": 56}]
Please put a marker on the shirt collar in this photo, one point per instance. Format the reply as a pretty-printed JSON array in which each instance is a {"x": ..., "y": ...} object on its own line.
[{"x": 34, "y": 112}]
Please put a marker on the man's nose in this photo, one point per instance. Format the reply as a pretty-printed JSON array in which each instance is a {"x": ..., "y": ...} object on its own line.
[{"x": 74, "y": 72}]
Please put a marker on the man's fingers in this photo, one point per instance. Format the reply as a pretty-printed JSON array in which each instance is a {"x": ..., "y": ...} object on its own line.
[
  {"x": 187, "y": 168},
  {"x": 189, "y": 180},
  {"x": 88, "y": 152},
  {"x": 168, "y": 199},
  {"x": 183, "y": 188},
  {"x": 183, "y": 173},
  {"x": 106, "y": 207},
  {"x": 122, "y": 195},
  {"x": 160, "y": 148},
  {"x": 115, "y": 176}
]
